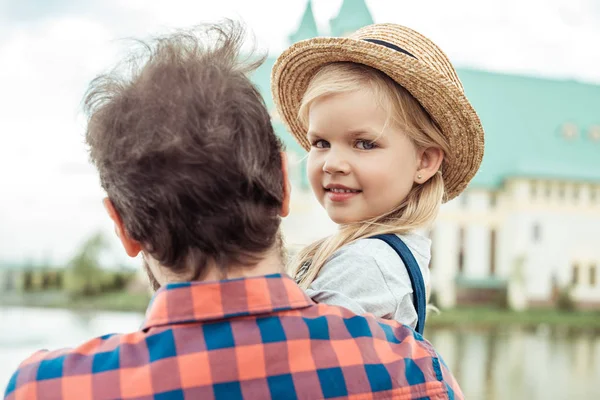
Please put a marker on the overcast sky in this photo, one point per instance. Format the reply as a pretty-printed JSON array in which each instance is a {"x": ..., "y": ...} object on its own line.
[{"x": 51, "y": 49}]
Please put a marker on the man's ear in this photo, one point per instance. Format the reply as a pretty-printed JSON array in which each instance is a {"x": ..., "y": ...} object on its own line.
[
  {"x": 287, "y": 186},
  {"x": 132, "y": 247}
]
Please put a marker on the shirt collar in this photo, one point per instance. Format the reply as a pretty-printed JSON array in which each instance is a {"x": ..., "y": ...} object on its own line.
[{"x": 177, "y": 303}]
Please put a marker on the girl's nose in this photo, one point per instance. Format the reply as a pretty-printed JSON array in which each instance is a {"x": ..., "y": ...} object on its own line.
[{"x": 335, "y": 163}]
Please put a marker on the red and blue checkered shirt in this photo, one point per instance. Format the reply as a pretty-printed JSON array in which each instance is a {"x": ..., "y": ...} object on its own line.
[{"x": 253, "y": 338}]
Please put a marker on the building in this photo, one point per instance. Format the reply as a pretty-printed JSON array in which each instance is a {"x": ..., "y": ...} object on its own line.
[
  {"x": 531, "y": 216},
  {"x": 528, "y": 226}
]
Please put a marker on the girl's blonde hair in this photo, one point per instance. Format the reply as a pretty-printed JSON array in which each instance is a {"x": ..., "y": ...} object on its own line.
[{"x": 421, "y": 205}]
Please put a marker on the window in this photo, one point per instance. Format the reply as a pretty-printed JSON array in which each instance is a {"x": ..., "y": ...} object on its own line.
[
  {"x": 576, "y": 192},
  {"x": 593, "y": 275},
  {"x": 569, "y": 131},
  {"x": 537, "y": 233},
  {"x": 493, "y": 252},
  {"x": 595, "y": 133},
  {"x": 548, "y": 189},
  {"x": 493, "y": 199},
  {"x": 561, "y": 191},
  {"x": 575, "y": 276},
  {"x": 534, "y": 189},
  {"x": 461, "y": 249}
]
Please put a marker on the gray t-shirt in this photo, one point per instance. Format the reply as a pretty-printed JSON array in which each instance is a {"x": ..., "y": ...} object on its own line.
[{"x": 368, "y": 276}]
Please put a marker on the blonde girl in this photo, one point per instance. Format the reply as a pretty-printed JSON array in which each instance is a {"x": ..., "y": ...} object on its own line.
[{"x": 390, "y": 136}]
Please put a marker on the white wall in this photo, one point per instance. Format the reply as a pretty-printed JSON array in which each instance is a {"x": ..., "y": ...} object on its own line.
[
  {"x": 477, "y": 235},
  {"x": 568, "y": 232}
]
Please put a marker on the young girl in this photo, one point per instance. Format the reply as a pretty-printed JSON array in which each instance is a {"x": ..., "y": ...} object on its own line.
[{"x": 391, "y": 136}]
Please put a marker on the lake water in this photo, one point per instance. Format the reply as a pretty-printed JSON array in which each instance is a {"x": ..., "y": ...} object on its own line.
[{"x": 490, "y": 364}]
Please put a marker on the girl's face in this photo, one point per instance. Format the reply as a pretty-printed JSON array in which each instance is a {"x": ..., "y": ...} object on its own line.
[{"x": 358, "y": 167}]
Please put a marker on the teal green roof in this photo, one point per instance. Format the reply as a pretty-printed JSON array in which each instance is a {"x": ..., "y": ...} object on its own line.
[
  {"x": 262, "y": 79},
  {"x": 307, "y": 28},
  {"x": 524, "y": 120},
  {"x": 353, "y": 15}
]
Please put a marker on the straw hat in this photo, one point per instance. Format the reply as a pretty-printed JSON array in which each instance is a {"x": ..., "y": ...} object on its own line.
[{"x": 410, "y": 59}]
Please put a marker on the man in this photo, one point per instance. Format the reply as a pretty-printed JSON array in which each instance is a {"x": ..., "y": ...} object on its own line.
[{"x": 196, "y": 182}]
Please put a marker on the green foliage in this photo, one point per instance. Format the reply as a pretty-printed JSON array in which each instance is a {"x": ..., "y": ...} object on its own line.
[
  {"x": 85, "y": 277},
  {"x": 36, "y": 280},
  {"x": 564, "y": 300},
  {"x": 84, "y": 273},
  {"x": 488, "y": 317},
  {"x": 28, "y": 281}
]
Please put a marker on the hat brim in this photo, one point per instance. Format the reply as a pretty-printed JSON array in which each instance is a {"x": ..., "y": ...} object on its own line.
[{"x": 439, "y": 96}]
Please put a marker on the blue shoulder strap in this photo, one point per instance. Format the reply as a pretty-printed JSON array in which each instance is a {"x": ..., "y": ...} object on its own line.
[{"x": 414, "y": 272}]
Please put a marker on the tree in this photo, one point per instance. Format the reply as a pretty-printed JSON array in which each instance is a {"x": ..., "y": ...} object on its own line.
[
  {"x": 27, "y": 280},
  {"x": 84, "y": 269}
]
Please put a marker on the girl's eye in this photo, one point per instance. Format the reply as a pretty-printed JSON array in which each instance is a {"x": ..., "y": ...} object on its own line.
[
  {"x": 365, "y": 145},
  {"x": 320, "y": 144}
]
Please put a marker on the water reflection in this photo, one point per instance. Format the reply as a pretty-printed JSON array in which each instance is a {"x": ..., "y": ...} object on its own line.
[
  {"x": 518, "y": 363},
  {"x": 26, "y": 330}
]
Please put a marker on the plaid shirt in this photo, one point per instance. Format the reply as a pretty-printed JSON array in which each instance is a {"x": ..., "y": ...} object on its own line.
[{"x": 254, "y": 338}]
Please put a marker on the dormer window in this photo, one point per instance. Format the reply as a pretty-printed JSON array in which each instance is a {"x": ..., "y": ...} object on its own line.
[
  {"x": 595, "y": 133},
  {"x": 569, "y": 131}
]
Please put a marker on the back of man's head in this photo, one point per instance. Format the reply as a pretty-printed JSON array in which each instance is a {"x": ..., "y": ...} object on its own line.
[{"x": 186, "y": 151}]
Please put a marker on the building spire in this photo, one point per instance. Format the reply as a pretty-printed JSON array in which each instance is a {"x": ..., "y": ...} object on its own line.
[
  {"x": 307, "y": 28},
  {"x": 353, "y": 15}
]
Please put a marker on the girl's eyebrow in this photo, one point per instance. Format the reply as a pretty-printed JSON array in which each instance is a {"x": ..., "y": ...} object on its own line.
[
  {"x": 313, "y": 134},
  {"x": 361, "y": 132},
  {"x": 353, "y": 134}
]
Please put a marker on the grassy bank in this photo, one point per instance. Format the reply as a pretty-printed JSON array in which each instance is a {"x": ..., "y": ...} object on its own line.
[
  {"x": 116, "y": 301},
  {"x": 483, "y": 316}
]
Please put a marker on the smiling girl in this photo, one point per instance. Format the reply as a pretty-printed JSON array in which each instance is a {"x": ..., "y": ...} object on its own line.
[{"x": 390, "y": 136}]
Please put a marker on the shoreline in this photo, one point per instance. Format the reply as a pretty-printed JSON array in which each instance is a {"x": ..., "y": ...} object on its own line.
[
  {"x": 461, "y": 316},
  {"x": 117, "y": 301},
  {"x": 491, "y": 317}
]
